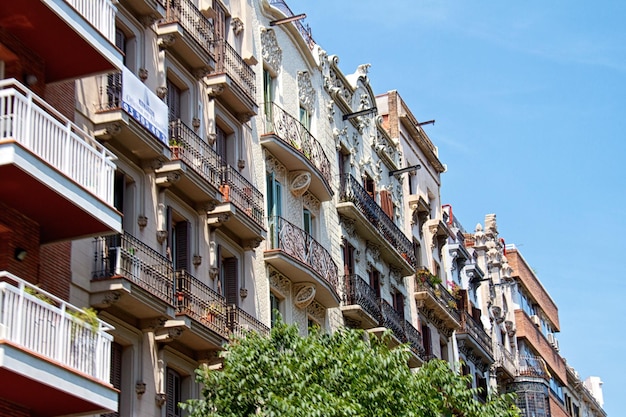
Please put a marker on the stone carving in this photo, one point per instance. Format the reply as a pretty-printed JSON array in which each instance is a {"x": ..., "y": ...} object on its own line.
[
  {"x": 237, "y": 25},
  {"x": 279, "y": 283},
  {"x": 317, "y": 311},
  {"x": 271, "y": 52},
  {"x": 304, "y": 294},
  {"x": 306, "y": 92}
]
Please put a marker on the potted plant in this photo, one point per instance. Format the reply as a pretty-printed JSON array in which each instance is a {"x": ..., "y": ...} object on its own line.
[{"x": 177, "y": 147}]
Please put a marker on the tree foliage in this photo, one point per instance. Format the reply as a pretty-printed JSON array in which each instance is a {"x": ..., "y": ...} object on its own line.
[{"x": 338, "y": 375}]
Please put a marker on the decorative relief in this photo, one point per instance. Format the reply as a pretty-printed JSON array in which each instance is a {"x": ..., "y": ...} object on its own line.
[
  {"x": 373, "y": 251},
  {"x": 304, "y": 294},
  {"x": 237, "y": 25},
  {"x": 480, "y": 239},
  {"x": 280, "y": 283},
  {"x": 317, "y": 311},
  {"x": 437, "y": 322},
  {"x": 300, "y": 182},
  {"x": 306, "y": 92},
  {"x": 271, "y": 52},
  {"x": 312, "y": 203},
  {"x": 348, "y": 225},
  {"x": 273, "y": 165}
]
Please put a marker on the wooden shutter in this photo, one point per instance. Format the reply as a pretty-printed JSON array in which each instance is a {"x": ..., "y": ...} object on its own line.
[
  {"x": 173, "y": 393},
  {"x": 115, "y": 377},
  {"x": 386, "y": 204},
  {"x": 182, "y": 233},
  {"x": 428, "y": 347},
  {"x": 231, "y": 280},
  {"x": 375, "y": 281},
  {"x": 398, "y": 303}
]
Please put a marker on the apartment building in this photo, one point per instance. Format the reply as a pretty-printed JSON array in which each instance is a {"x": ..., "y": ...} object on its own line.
[{"x": 56, "y": 184}]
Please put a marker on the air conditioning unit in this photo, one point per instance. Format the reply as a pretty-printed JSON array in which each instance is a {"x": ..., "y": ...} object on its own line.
[
  {"x": 535, "y": 319},
  {"x": 550, "y": 338},
  {"x": 556, "y": 344}
]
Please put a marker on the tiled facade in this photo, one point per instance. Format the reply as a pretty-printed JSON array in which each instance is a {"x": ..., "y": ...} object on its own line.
[{"x": 189, "y": 168}]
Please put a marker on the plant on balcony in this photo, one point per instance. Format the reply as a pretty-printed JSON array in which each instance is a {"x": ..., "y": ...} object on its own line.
[
  {"x": 425, "y": 276},
  {"x": 341, "y": 374},
  {"x": 211, "y": 311},
  {"x": 177, "y": 147},
  {"x": 39, "y": 295},
  {"x": 86, "y": 315}
]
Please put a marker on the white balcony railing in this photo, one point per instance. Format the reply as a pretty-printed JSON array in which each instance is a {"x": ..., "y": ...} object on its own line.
[
  {"x": 38, "y": 127},
  {"x": 99, "y": 13},
  {"x": 47, "y": 326}
]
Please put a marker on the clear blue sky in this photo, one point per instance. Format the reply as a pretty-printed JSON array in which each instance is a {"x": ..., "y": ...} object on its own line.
[{"x": 529, "y": 100}]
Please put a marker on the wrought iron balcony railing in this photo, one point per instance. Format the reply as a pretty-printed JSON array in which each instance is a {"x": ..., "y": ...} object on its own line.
[
  {"x": 289, "y": 129},
  {"x": 245, "y": 196},
  {"x": 300, "y": 245},
  {"x": 126, "y": 256},
  {"x": 195, "y": 299},
  {"x": 533, "y": 366},
  {"x": 100, "y": 13},
  {"x": 305, "y": 30},
  {"x": 414, "y": 339},
  {"x": 474, "y": 329},
  {"x": 505, "y": 359},
  {"x": 51, "y": 328},
  {"x": 352, "y": 191},
  {"x": 229, "y": 62},
  {"x": 441, "y": 294},
  {"x": 196, "y": 153},
  {"x": 38, "y": 127},
  {"x": 393, "y": 320},
  {"x": 185, "y": 13},
  {"x": 360, "y": 293},
  {"x": 241, "y": 322}
]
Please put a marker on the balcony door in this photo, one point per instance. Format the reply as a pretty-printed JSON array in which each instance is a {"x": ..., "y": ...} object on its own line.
[{"x": 274, "y": 207}]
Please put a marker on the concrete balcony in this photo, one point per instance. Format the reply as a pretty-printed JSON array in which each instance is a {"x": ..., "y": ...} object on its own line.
[
  {"x": 298, "y": 256},
  {"x": 128, "y": 115},
  {"x": 233, "y": 82},
  {"x": 131, "y": 279},
  {"x": 472, "y": 336},
  {"x": 296, "y": 148},
  {"x": 197, "y": 167},
  {"x": 155, "y": 9},
  {"x": 371, "y": 222},
  {"x": 436, "y": 298},
  {"x": 52, "y": 361},
  {"x": 46, "y": 158},
  {"x": 188, "y": 35},
  {"x": 201, "y": 313},
  {"x": 240, "y": 214},
  {"x": 78, "y": 38}
]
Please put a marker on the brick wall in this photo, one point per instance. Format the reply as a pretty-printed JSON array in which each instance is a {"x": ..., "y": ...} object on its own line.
[
  {"x": 20, "y": 62},
  {"x": 8, "y": 409},
  {"x": 527, "y": 330},
  {"x": 527, "y": 277},
  {"x": 18, "y": 231},
  {"x": 55, "y": 271}
]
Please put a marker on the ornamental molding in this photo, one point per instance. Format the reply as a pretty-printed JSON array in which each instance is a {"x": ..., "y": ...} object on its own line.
[
  {"x": 271, "y": 52},
  {"x": 317, "y": 311},
  {"x": 312, "y": 203},
  {"x": 304, "y": 294},
  {"x": 306, "y": 92},
  {"x": 279, "y": 283},
  {"x": 274, "y": 166}
]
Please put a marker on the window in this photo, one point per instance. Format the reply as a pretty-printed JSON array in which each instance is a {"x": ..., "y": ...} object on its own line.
[
  {"x": 173, "y": 391},
  {"x": 386, "y": 204},
  {"x": 348, "y": 258},
  {"x": 398, "y": 302},
  {"x": 426, "y": 338},
  {"x": 374, "y": 277},
  {"x": 307, "y": 220},
  {"x": 123, "y": 198},
  {"x": 275, "y": 305},
  {"x": 221, "y": 144},
  {"x": 305, "y": 118},
  {"x": 229, "y": 277},
  {"x": 178, "y": 240},
  {"x": 417, "y": 252},
  {"x": 274, "y": 207},
  {"x": 369, "y": 185},
  {"x": 116, "y": 372},
  {"x": 268, "y": 94},
  {"x": 174, "y": 100}
]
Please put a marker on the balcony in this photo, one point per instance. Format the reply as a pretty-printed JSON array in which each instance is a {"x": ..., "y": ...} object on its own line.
[
  {"x": 374, "y": 225},
  {"x": 132, "y": 278},
  {"x": 51, "y": 361},
  {"x": 188, "y": 34},
  {"x": 240, "y": 323},
  {"x": 303, "y": 30},
  {"x": 436, "y": 298},
  {"x": 505, "y": 361},
  {"x": 152, "y": 8},
  {"x": 203, "y": 311},
  {"x": 473, "y": 335},
  {"x": 533, "y": 367},
  {"x": 294, "y": 146},
  {"x": 73, "y": 28},
  {"x": 196, "y": 165},
  {"x": 295, "y": 253},
  {"x": 361, "y": 305},
  {"x": 45, "y": 157},
  {"x": 233, "y": 81},
  {"x": 128, "y": 115},
  {"x": 241, "y": 212}
]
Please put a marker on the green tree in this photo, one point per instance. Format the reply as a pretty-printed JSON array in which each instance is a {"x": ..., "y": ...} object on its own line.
[{"x": 333, "y": 375}]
